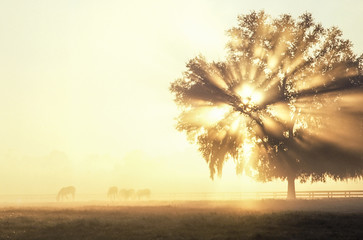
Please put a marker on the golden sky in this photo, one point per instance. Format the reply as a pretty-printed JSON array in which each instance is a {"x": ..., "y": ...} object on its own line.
[{"x": 84, "y": 93}]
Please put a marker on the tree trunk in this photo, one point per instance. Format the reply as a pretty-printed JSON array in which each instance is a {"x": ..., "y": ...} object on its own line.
[{"x": 291, "y": 188}]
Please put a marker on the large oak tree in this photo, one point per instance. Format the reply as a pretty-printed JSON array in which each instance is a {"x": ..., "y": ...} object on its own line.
[{"x": 287, "y": 102}]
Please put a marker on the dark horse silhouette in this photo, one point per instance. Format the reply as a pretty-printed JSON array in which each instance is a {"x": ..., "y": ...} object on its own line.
[{"x": 65, "y": 192}]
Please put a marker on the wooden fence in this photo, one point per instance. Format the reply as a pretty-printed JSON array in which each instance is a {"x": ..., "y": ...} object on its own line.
[
  {"x": 329, "y": 194},
  {"x": 260, "y": 195},
  {"x": 308, "y": 194}
]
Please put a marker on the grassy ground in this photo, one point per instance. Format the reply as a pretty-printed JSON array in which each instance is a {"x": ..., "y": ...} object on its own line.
[{"x": 272, "y": 219}]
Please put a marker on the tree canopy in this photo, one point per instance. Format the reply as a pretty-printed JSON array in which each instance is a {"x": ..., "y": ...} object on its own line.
[{"x": 287, "y": 101}]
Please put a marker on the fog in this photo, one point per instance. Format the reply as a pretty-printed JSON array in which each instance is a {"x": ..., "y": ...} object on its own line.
[{"x": 84, "y": 97}]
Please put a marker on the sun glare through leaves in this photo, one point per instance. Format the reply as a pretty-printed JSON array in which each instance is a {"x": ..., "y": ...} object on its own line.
[{"x": 286, "y": 103}]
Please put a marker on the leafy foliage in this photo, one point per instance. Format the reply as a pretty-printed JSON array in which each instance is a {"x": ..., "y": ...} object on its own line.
[{"x": 286, "y": 102}]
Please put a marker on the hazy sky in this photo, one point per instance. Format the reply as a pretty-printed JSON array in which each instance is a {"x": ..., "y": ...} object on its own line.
[{"x": 84, "y": 96}]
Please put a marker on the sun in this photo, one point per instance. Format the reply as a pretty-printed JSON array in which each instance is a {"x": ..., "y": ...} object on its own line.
[{"x": 250, "y": 95}]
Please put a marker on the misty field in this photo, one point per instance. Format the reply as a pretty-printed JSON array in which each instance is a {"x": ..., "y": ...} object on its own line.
[{"x": 263, "y": 219}]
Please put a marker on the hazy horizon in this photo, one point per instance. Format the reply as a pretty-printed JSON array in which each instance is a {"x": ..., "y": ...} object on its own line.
[{"x": 84, "y": 92}]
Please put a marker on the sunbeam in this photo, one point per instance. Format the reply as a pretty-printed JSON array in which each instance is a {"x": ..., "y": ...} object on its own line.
[{"x": 287, "y": 102}]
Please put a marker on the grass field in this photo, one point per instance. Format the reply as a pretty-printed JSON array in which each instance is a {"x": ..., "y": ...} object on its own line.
[{"x": 262, "y": 219}]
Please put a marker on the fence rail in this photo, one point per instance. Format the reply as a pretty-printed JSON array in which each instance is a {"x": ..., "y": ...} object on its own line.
[{"x": 262, "y": 195}]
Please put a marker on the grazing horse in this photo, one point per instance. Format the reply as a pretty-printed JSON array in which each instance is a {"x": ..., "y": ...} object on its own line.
[
  {"x": 65, "y": 192},
  {"x": 112, "y": 193},
  {"x": 143, "y": 194},
  {"x": 127, "y": 194}
]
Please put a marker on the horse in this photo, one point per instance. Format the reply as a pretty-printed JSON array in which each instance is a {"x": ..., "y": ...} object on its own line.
[
  {"x": 127, "y": 194},
  {"x": 112, "y": 193},
  {"x": 143, "y": 194},
  {"x": 65, "y": 192}
]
